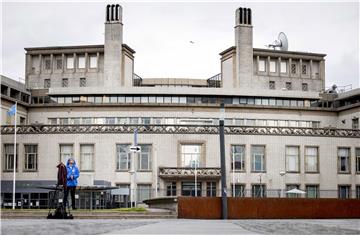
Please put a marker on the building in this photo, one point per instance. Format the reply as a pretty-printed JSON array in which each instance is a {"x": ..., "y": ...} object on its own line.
[{"x": 283, "y": 129}]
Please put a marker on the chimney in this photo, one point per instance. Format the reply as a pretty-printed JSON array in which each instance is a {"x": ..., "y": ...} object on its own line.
[
  {"x": 244, "y": 47},
  {"x": 113, "y": 45}
]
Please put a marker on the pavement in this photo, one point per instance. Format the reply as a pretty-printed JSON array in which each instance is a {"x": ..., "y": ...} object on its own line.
[{"x": 179, "y": 226}]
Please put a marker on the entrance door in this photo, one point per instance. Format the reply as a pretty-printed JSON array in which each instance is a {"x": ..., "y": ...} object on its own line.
[{"x": 188, "y": 189}]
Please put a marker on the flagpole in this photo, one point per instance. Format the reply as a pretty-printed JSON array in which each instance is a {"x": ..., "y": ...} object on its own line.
[{"x": 14, "y": 166}]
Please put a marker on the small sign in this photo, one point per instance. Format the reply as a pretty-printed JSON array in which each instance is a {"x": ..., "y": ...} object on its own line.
[
  {"x": 60, "y": 200},
  {"x": 37, "y": 203},
  {"x": 19, "y": 203},
  {"x": 135, "y": 149},
  {"x": 76, "y": 196}
]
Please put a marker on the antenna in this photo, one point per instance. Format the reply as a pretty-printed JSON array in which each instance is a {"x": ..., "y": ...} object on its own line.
[{"x": 281, "y": 43}]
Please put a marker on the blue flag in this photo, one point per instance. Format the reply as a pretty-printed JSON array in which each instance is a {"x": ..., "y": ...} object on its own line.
[{"x": 12, "y": 110}]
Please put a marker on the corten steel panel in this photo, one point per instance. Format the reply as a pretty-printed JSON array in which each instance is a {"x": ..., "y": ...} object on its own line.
[
  {"x": 199, "y": 207},
  {"x": 269, "y": 208}
]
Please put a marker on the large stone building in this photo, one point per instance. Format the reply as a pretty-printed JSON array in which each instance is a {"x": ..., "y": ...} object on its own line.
[{"x": 283, "y": 130}]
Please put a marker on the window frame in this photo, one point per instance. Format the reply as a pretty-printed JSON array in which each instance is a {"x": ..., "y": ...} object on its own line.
[
  {"x": 339, "y": 160},
  {"x": 297, "y": 170},
  {"x": 26, "y": 158},
  {"x": 263, "y": 162},
  {"x": 6, "y": 162},
  {"x": 118, "y": 158},
  {"x": 317, "y": 159},
  {"x": 92, "y": 168}
]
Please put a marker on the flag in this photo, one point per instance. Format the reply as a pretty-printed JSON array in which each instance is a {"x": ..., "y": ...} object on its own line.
[{"x": 12, "y": 110}]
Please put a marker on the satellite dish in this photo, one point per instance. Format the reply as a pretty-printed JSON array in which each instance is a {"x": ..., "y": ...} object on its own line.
[{"x": 281, "y": 43}]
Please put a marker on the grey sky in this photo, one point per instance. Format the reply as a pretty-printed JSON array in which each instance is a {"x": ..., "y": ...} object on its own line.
[{"x": 160, "y": 33}]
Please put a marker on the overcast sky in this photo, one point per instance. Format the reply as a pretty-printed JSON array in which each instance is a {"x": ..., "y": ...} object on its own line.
[{"x": 161, "y": 32}]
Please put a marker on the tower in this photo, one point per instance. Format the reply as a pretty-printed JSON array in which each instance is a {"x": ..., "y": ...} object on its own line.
[
  {"x": 244, "y": 47},
  {"x": 113, "y": 46}
]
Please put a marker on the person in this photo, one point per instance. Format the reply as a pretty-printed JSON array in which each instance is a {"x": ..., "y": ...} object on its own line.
[{"x": 72, "y": 176}]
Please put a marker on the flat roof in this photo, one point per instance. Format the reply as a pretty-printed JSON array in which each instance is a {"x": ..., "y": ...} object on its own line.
[{"x": 100, "y": 46}]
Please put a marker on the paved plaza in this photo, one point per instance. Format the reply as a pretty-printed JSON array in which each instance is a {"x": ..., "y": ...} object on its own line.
[{"x": 179, "y": 226}]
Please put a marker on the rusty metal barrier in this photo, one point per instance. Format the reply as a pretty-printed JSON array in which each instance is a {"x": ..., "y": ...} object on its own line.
[{"x": 268, "y": 208}]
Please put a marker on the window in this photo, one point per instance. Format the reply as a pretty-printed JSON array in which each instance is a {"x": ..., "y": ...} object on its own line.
[
  {"x": 311, "y": 159},
  {"x": 144, "y": 158},
  {"x": 65, "y": 82},
  {"x": 123, "y": 160},
  {"x": 190, "y": 155},
  {"x": 293, "y": 68},
  {"x": 59, "y": 64},
  {"x": 239, "y": 190},
  {"x": 262, "y": 64},
  {"x": 82, "y": 82},
  {"x": 283, "y": 67},
  {"x": 110, "y": 120},
  {"x": 9, "y": 157},
  {"x": 304, "y": 69},
  {"x": 355, "y": 123},
  {"x": 70, "y": 62},
  {"x": 344, "y": 191},
  {"x": 288, "y": 85},
  {"x": 357, "y": 160},
  {"x": 290, "y": 187},
  {"x": 358, "y": 191},
  {"x": 64, "y": 121},
  {"x": 144, "y": 192},
  {"x": 86, "y": 121},
  {"x": 344, "y": 160},
  {"x": 145, "y": 120},
  {"x": 52, "y": 121},
  {"x": 292, "y": 158},
  {"x": 30, "y": 157},
  {"x": 272, "y": 66},
  {"x": 66, "y": 152},
  {"x": 258, "y": 158},
  {"x": 211, "y": 189},
  {"x": 312, "y": 191},
  {"x": 47, "y": 64},
  {"x": 272, "y": 85},
  {"x": 93, "y": 61},
  {"x": 86, "y": 157},
  {"x": 188, "y": 189},
  {"x": 238, "y": 157},
  {"x": 47, "y": 83},
  {"x": 75, "y": 121},
  {"x": 258, "y": 190},
  {"x": 171, "y": 189},
  {"x": 304, "y": 86},
  {"x": 81, "y": 62}
]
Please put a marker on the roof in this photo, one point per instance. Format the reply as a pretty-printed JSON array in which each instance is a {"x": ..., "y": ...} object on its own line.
[
  {"x": 269, "y": 51},
  {"x": 77, "y": 47}
]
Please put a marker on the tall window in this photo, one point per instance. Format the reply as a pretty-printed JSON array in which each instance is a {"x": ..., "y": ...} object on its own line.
[
  {"x": 311, "y": 159},
  {"x": 190, "y": 155},
  {"x": 9, "y": 157},
  {"x": 357, "y": 160},
  {"x": 47, "y": 64},
  {"x": 81, "y": 62},
  {"x": 272, "y": 66},
  {"x": 292, "y": 158},
  {"x": 123, "y": 160},
  {"x": 87, "y": 157},
  {"x": 144, "y": 158},
  {"x": 344, "y": 191},
  {"x": 59, "y": 64},
  {"x": 238, "y": 157},
  {"x": 70, "y": 62},
  {"x": 344, "y": 160},
  {"x": 272, "y": 85},
  {"x": 290, "y": 187},
  {"x": 355, "y": 123},
  {"x": 239, "y": 190},
  {"x": 144, "y": 192},
  {"x": 293, "y": 68},
  {"x": 304, "y": 69},
  {"x": 258, "y": 190},
  {"x": 82, "y": 82},
  {"x": 47, "y": 83},
  {"x": 258, "y": 158},
  {"x": 358, "y": 191},
  {"x": 312, "y": 191},
  {"x": 31, "y": 157},
  {"x": 66, "y": 152},
  {"x": 211, "y": 189},
  {"x": 283, "y": 67},
  {"x": 171, "y": 189},
  {"x": 262, "y": 65},
  {"x": 93, "y": 61}
]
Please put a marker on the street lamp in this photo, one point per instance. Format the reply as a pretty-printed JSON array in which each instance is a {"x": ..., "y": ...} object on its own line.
[
  {"x": 222, "y": 162},
  {"x": 282, "y": 173}
]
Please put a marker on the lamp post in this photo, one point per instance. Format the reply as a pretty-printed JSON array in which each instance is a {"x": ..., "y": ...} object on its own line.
[
  {"x": 282, "y": 174},
  {"x": 222, "y": 162}
]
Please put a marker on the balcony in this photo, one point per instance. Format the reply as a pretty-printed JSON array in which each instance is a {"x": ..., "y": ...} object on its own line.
[{"x": 189, "y": 173}]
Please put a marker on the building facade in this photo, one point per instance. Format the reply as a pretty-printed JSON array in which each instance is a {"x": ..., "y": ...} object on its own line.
[{"x": 283, "y": 129}]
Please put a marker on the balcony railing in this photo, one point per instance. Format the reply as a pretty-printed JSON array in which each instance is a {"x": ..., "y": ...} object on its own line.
[
  {"x": 187, "y": 172},
  {"x": 214, "y": 81}
]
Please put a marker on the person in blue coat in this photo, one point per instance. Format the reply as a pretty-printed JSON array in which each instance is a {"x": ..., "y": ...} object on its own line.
[{"x": 72, "y": 176}]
